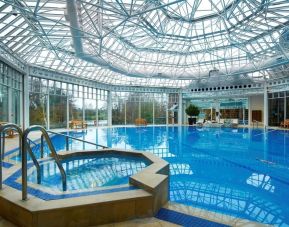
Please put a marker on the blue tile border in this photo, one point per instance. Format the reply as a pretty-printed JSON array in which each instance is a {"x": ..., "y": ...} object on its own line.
[
  {"x": 12, "y": 182},
  {"x": 7, "y": 165},
  {"x": 185, "y": 219}
]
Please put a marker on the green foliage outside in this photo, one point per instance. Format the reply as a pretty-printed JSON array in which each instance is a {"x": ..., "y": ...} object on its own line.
[{"x": 192, "y": 110}]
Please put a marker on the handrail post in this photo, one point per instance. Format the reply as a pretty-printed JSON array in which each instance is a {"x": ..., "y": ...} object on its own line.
[
  {"x": 41, "y": 147},
  {"x": 67, "y": 143},
  {"x": 3, "y": 146},
  {"x": 24, "y": 166}
]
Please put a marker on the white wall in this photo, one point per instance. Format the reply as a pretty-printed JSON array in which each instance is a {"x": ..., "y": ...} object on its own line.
[{"x": 256, "y": 103}]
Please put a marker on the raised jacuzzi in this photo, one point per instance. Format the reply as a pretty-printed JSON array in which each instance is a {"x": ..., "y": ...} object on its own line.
[{"x": 103, "y": 186}]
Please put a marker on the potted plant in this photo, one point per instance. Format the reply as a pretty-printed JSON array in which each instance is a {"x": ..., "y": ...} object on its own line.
[{"x": 192, "y": 111}]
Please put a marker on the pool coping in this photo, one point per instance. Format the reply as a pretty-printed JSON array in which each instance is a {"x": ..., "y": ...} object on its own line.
[{"x": 143, "y": 200}]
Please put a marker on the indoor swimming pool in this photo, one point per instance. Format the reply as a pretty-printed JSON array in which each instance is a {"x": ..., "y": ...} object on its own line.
[{"x": 240, "y": 172}]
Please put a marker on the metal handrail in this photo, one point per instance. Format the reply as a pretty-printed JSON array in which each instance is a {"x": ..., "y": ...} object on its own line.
[
  {"x": 3, "y": 129},
  {"x": 74, "y": 138},
  {"x": 24, "y": 158},
  {"x": 34, "y": 159}
]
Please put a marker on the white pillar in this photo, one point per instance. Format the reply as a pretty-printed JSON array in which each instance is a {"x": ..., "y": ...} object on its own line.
[
  {"x": 25, "y": 101},
  {"x": 96, "y": 111},
  {"x": 83, "y": 108},
  {"x": 180, "y": 109},
  {"x": 265, "y": 115},
  {"x": 211, "y": 113},
  {"x": 67, "y": 112},
  {"x": 125, "y": 112},
  {"x": 139, "y": 109},
  {"x": 109, "y": 109},
  {"x": 167, "y": 110},
  {"x": 243, "y": 114},
  {"x": 10, "y": 97},
  {"x": 249, "y": 112},
  {"x": 153, "y": 111},
  {"x": 48, "y": 109}
]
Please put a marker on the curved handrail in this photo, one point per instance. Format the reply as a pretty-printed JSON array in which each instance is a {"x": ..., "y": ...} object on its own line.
[
  {"x": 74, "y": 138},
  {"x": 36, "y": 163},
  {"x": 3, "y": 129},
  {"x": 6, "y": 127},
  {"x": 24, "y": 158}
]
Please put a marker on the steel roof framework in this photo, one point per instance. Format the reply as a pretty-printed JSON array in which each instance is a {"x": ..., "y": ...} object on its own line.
[{"x": 172, "y": 43}]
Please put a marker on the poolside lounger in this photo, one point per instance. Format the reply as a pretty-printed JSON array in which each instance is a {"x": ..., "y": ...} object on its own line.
[
  {"x": 234, "y": 123},
  {"x": 285, "y": 123},
  {"x": 200, "y": 122}
]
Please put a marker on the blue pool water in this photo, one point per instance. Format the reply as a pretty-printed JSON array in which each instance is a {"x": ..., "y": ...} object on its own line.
[
  {"x": 90, "y": 172},
  {"x": 240, "y": 172}
]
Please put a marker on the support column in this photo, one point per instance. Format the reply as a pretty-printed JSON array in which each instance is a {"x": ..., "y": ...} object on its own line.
[
  {"x": 153, "y": 111},
  {"x": 109, "y": 109},
  {"x": 125, "y": 112},
  {"x": 211, "y": 113},
  {"x": 180, "y": 109},
  {"x": 243, "y": 114},
  {"x": 10, "y": 97},
  {"x": 25, "y": 92},
  {"x": 139, "y": 108},
  {"x": 67, "y": 112},
  {"x": 83, "y": 108},
  {"x": 48, "y": 108},
  {"x": 167, "y": 110},
  {"x": 285, "y": 109},
  {"x": 96, "y": 111},
  {"x": 265, "y": 106},
  {"x": 249, "y": 112}
]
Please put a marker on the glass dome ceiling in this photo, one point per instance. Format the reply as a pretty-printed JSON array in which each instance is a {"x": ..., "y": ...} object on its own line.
[{"x": 171, "y": 43}]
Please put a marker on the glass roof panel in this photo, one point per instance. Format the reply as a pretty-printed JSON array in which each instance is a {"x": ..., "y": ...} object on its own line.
[{"x": 148, "y": 43}]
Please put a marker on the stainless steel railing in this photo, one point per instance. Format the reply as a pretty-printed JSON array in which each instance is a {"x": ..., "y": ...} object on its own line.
[
  {"x": 3, "y": 129},
  {"x": 67, "y": 137},
  {"x": 34, "y": 159},
  {"x": 26, "y": 146}
]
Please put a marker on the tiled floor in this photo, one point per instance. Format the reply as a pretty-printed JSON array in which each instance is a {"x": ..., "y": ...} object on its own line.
[
  {"x": 145, "y": 222},
  {"x": 4, "y": 223}
]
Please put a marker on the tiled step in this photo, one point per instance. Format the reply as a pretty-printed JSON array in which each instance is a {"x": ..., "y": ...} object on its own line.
[{"x": 185, "y": 219}]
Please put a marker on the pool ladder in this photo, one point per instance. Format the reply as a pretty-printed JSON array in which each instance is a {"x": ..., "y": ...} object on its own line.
[{"x": 25, "y": 145}]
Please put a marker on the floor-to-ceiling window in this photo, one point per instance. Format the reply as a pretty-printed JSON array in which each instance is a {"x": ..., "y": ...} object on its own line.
[
  {"x": 76, "y": 103},
  {"x": 160, "y": 108},
  {"x": 102, "y": 107},
  {"x": 10, "y": 94},
  {"x": 128, "y": 106},
  {"x": 57, "y": 105},
  {"x": 276, "y": 108},
  {"x": 3, "y": 102},
  {"x": 119, "y": 108},
  {"x": 147, "y": 107},
  {"x": 90, "y": 106},
  {"x": 38, "y": 101},
  {"x": 133, "y": 107},
  {"x": 173, "y": 106},
  {"x": 54, "y": 103}
]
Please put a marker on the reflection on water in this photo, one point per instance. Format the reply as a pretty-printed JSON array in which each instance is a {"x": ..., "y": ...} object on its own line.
[{"x": 241, "y": 172}]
